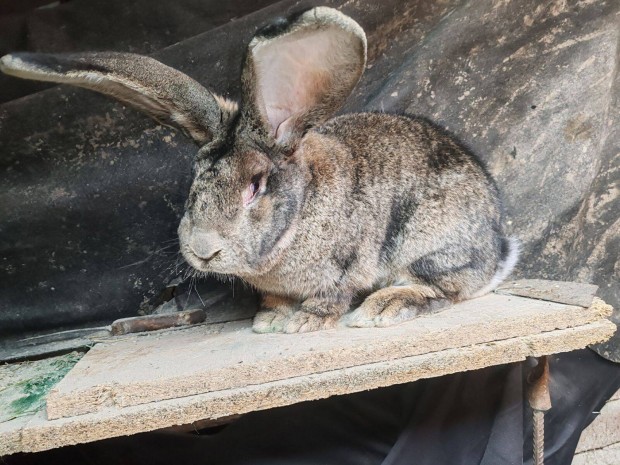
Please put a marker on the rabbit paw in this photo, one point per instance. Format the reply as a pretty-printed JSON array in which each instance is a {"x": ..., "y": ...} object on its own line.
[
  {"x": 270, "y": 321},
  {"x": 316, "y": 314},
  {"x": 305, "y": 322},
  {"x": 274, "y": 313},
  {"x": 391, "y": 305}
]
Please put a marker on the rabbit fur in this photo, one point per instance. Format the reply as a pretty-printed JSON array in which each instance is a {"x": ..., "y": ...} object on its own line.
[{"x": 313, "y": 212}]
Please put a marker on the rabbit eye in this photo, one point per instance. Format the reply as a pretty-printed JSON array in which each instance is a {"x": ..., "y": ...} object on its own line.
[{"x": 254, "y": 187}]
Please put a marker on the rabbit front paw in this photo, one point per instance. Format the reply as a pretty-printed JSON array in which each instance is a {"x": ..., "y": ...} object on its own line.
[
  {"x": 316, "y": 314},
  {"x": 305, "y": 322},
  {"x": 393, "y": 305},
  {"x": 269, "y": 321},
  {"x": 275, "y": 311}
]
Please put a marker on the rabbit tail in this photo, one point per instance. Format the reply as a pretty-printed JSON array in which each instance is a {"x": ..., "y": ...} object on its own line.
[{"x": 509, "y": 256}]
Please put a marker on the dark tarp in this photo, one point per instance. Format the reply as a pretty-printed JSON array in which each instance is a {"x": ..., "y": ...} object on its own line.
[{"x": 91, "y": 191}]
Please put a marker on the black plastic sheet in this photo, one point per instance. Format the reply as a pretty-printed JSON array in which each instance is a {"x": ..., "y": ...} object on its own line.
[
  {"x": 92, "y": 191},
  {"x": 91, "y": 194}
]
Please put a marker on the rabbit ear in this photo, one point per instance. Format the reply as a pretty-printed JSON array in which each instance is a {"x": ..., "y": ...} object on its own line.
[
  {"x": 299, "y": 72},
  {"x": 164, "y": 93}
]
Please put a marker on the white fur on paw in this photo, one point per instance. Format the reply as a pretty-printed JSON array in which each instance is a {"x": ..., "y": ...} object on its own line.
[
  {"x": 362, "y": 317},
  {"x": 359, "y": 320},
  {"x": 369, "y": 315},
  {"x": 305, "y": 322},
  {"x": 393, "y": 318},
  {"x": 269, "y": 321}
]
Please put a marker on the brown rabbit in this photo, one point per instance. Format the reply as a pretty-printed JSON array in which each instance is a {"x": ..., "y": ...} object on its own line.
[{"x": 313, "y": 212}]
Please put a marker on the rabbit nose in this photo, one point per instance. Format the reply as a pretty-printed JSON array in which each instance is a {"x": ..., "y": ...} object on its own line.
[{"x": 205, "y": 245}]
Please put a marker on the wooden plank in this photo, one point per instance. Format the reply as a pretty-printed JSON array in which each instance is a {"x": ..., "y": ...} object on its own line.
[
  {"x": 609, "y": 455},
  {"x": 13, "y": 350},
  {"x": 11, "y": 433},
  {"x": 23, "y": 388},
  {"x": 554, "y": 291},
  {"x": 605, "y": 429},
  {"x": 187, "y": 362},
  {"x": 41, "y": 434}
]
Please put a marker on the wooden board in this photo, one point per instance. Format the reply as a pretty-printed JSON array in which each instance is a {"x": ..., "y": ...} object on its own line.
[
  {"x": 609, "y": 455},
  {"x": 554, "y": 291},
  {"x": 25, "y": 386},
  {"x": 40, "y": 434},
  {"x": 23, "y": 389},
  {"x": 145, "y": 382},
  {"x": 157, "y": 367},
  {"x": 604, "y": 431}
]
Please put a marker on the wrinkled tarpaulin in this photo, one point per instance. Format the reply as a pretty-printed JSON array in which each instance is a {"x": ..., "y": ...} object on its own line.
[{"x": 92, "y": 192}]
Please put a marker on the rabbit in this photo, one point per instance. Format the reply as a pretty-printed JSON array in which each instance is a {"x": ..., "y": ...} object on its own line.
[{"x": 312, "y": 210}]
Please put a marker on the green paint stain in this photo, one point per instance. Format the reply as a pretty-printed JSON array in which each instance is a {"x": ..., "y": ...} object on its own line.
[{"x": 27, "y": 395}]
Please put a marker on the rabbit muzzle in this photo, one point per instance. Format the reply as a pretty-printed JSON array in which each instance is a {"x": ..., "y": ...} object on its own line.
[{"x": 198, "y": 246}]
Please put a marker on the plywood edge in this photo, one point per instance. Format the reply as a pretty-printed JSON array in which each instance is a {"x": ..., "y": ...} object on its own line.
[
  {"x": 601, "y": 308},
  {"x": 11, "y": 434},
  {"x": 41, "y": 434}
]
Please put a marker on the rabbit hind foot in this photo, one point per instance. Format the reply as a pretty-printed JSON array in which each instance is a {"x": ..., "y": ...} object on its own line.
[{"x": 395, "y": 304}]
